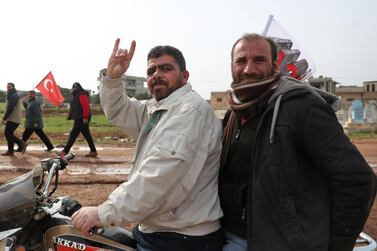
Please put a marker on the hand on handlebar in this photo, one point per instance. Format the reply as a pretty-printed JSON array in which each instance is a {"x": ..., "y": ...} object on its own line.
[{"x": 86, "y": 219}]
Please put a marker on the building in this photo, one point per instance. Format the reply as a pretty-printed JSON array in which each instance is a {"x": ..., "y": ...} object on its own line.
[
  {"x": 323, "y": 83},
  {"x": 365, "y": 93},
  {"x": 135, "y": 86},
  {"x": 220, "y": 103},
  {"x": 358, "y": 107}
]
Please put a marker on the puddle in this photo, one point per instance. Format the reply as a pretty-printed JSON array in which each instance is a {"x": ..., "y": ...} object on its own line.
[
  {"x": 37, "y": 147},
  {"x": 7, "y": 168},
  {"x": 114, "y": 169}
]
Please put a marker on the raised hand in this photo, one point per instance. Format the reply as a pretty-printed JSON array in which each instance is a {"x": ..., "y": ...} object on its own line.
[{"x": 120, "y": 60}]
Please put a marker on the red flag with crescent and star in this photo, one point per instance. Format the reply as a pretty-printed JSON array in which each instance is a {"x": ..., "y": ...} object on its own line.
[{"x": 50, "y": 90}]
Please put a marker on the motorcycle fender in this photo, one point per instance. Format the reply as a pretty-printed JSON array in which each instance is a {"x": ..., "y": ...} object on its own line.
[{"x": 68, "y": 238}]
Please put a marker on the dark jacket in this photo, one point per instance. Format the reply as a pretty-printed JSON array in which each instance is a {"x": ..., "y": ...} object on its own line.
[
  {"x": 33, "y": 115},
  {"x": 309, "y": 187},
  {"x": 12, "y": 111},
  {"x": 79, "y": 106}
]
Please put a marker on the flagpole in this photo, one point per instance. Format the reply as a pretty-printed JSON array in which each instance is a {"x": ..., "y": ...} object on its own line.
[
  {"x": 50, "y": 90},
  {"x": 269, "y": 20},
  {"x": 40, "y": 82}
]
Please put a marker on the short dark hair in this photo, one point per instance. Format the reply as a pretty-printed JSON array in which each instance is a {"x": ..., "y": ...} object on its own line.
[
  {"x": 10, "y": 83},
  {"x": 32, "y": 91},
  {"x": 252, "y": 36},
  {"x": 162, "y": 50}
]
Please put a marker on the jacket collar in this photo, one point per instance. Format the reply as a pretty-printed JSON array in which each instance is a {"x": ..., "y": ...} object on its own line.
[
  {"x": 288, "y": 85},
  {"x": 164, "y": 104}
]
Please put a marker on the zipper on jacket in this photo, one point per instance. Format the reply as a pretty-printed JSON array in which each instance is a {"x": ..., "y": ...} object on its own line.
[
  {"x": 255, "y": 151},
  {"x": 238, "y": 134}
]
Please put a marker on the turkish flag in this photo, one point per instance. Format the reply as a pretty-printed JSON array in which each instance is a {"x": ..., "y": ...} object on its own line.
[{"x": 50, "y": 90}]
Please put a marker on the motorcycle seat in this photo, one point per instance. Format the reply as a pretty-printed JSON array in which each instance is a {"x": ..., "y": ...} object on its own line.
[{"x": 121, "y": 235}]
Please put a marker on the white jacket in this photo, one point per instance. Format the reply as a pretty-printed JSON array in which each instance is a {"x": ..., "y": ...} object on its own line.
[{"x": 173, "y": 182}]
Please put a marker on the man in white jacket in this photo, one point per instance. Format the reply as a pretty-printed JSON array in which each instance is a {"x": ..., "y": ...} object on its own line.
[{"x": 172, "y": 188}]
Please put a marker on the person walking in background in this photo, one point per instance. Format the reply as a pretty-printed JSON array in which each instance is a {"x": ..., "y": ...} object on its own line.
[
  {"x": 34, "y": 121},
  {"x": 79, "y": 112},
  {"x": 12, "y": 119}
]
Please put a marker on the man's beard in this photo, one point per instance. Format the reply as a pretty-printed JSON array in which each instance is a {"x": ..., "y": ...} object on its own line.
[
  {"x": 251, "y": 77},
  {"x": 254, "y": 91},
  {"x": 163, "y": 93}
]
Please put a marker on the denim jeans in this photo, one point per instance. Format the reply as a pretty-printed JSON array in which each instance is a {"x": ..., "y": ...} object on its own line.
[
  {"x": 165, "y": 241},
  {"x": 234, "y": 243}
]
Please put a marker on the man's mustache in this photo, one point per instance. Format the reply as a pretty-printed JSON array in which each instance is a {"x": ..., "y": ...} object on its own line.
[
  {"x": 159, "y": 82},
  {"x": 248, "y": 79}
]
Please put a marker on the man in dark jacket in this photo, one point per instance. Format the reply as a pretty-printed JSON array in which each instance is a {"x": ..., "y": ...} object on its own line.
[
  {"x": 34, "y": 121},
  {"x": 290, "y": 179},
  {"x": 79, "y": 112},
  {"x": 12, "y": 119}
]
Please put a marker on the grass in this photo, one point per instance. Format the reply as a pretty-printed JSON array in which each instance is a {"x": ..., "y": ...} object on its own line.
[
  {"x": 59, "y": 124},
  {"x": 362, "y": 135},
  {"x": 57, "y": 127}
]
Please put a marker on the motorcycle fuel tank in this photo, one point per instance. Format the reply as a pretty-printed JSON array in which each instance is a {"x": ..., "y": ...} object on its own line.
[{"x": 68, "y": 238}]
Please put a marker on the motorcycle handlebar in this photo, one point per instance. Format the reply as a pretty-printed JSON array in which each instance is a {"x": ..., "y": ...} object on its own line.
[
  {"x": 52, "y": 166},
  {"x": 69, "y": 156},
  {"x": 65, "y": 160}
]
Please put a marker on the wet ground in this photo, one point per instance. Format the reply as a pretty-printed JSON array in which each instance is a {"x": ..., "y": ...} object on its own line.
[{"x": 91, "y": 180}]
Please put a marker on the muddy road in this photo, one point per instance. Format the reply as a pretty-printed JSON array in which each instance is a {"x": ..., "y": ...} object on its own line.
[{"x": 91, "y": 180}]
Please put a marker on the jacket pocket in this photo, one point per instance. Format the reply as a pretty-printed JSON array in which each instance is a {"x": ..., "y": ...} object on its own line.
[
  {"x": 290, "y": 223},
  {"x": 233, "y": 199},
  {"x": 177, "y": 147}
]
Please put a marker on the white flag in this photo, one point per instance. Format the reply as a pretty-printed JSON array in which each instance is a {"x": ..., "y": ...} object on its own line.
[{"x": 293, "y": 60}]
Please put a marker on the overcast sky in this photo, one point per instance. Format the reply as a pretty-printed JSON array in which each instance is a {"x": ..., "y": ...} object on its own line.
[{"x": 74, "y": 38}]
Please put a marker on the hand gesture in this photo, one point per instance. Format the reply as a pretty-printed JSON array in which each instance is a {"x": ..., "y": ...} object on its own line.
[{"x": 120, "y": 60}]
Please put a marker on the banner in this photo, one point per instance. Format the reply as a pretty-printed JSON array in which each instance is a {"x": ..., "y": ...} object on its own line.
[
  {"x": 293, "y": 60},
  {"x": 50, "y": 90}
]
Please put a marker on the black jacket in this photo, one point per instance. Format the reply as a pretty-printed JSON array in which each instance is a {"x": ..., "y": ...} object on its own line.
[
  {"x": 75, "y": 109},
  {"x": 309, "y": 187}
]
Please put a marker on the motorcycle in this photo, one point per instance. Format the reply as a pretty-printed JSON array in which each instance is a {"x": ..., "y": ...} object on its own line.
[{"x": 31, "y": 219}]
